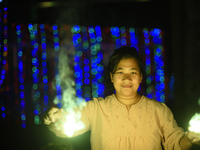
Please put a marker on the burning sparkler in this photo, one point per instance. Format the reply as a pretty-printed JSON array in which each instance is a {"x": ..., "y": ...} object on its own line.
[
  {"x": 72, "y": 123},
  {"x": 194, "y": 129},
  {"x": 194, "y": 123}
]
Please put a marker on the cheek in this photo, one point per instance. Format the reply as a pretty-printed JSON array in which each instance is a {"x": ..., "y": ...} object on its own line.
[{"x": 117, "y": 78}]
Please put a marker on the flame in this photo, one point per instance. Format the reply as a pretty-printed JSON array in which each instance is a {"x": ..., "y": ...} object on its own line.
[
  {"x": 194, "y": 123},
  {"x": 72, "y": 124},
  {"x": 73, "y": 121}
]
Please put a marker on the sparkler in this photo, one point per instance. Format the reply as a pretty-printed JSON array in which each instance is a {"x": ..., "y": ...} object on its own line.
[
  {"x": 72, "y": 123},
  {"x": 194, "y": 123}
]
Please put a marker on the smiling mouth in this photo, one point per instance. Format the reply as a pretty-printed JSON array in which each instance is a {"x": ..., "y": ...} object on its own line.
[{"x": 126, "y": 86}]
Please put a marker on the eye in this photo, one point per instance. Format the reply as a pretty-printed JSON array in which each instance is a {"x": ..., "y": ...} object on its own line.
[
  {"x": 133, "y": 73},
  {"x": 119, "y": 72}
]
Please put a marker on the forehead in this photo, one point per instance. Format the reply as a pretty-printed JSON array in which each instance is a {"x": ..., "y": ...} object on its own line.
[{"x": 128, "y": 63}]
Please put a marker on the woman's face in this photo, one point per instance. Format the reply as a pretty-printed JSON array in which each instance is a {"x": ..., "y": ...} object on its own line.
[{"x": 127, "y": 78}]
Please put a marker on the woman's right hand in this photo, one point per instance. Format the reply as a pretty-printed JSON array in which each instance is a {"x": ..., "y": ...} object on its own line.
[{"x": 53, "y": 115}]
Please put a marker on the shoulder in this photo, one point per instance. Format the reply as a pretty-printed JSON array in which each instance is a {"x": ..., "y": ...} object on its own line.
[
  {"x": 156, "y": 105},
  {"x": 101, "y": 99},
  {"x": 100, "y": 102},
  {"x": 160, "y": 110}
]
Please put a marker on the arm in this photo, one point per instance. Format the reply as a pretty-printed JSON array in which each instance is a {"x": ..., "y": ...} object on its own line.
[
  {"x": 185, "y": 143},
  {"x": 191, "y": 140},
  {"x": 175, "y": 137},
  {"x": 68, "y": 123}
]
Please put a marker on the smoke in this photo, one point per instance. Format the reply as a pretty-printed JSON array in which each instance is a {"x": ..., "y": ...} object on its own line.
[{"x": 71, "y": 104}]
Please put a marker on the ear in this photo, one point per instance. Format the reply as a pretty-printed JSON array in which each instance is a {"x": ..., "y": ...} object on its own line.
[
  {"x": 111, "y": 77},
  {"x": 141, "y": 76}
]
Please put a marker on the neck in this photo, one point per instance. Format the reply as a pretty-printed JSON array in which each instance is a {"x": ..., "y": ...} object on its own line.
[{"x": 128, "y": 101}]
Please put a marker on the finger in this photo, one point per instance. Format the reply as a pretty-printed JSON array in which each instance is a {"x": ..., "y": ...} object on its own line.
[
  {"x": 196, "y": 141},
  {"x": 54, "y": 114},
  {"x": 191, "y": 135},
  {"x": 47, "y": 121},
  {"x": 53, "y": 110}
]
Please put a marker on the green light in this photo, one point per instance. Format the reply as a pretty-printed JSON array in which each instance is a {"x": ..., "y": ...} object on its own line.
[
  {"x": 35, "y": 86},
  {"x": 91, "y": 30},
  {"x": 37, "y": 120},
  {"x": 34, "y": 69},
  {"x": 23, "y": 117},
  {"x": 56, "y": 40},
  {"x": 132, "y": 29},
  {"x": 79, "y": 53},
  {"x": 5, "y": 41}
]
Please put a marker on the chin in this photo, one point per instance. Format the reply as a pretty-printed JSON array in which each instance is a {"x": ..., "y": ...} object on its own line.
[{"x": 127, "y": 94}]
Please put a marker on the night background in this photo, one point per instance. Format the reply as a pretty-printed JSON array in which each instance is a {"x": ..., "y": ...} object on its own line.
[{"x": 37, "y": 31}]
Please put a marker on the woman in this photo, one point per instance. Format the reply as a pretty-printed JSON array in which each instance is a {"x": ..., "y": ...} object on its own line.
[{"x": 127, "y": 120}]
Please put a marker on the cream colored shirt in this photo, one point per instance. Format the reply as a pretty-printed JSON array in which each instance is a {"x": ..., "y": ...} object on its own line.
[{"x": 148, "y": 125}]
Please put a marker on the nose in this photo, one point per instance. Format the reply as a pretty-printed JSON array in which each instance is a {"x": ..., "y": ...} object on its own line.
[{"x": 127, "y": 76}]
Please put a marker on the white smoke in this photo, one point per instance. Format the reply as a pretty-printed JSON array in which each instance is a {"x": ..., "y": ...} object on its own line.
[{"x": 70, "y": 102}]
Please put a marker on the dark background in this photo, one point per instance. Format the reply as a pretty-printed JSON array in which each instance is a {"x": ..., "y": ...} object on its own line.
[{"x": 180, "y": 21}]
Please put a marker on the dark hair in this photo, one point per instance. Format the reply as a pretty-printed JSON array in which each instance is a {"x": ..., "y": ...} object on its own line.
[{"x": 120, "y": 53}]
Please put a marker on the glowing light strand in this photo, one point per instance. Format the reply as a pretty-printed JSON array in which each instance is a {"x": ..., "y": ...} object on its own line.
[
  {"x": 4, "y": 45},
  {"x": 159, "y": 65},
  {"x": 93, "y": 61},
  {"x": 21, "y": 76},
  {"x": 44, "y": 67},
  {"x": 123, "y": 36},
  {"x": 100, "y": 67},
  {"x": 57, "y": 74},
  {"x": 115, "y": 33},
  {"x": 149, "y": 78},
  {"x": 133, "y": 37},
  {"x": 3, "y": 52},
  {"x": 35, "y": 71},
  {"x": 86, "y": 63},
  {"x": 78, "y": 74}
]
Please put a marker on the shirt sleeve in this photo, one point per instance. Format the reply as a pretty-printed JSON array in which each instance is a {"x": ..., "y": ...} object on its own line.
[{"x": 172, "y": 134}]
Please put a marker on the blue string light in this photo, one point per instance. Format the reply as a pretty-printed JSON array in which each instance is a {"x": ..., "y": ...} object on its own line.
[
  {"x": 149, "y": 79},
  {"x": 133, "y": 37},
  {"x": 100, "y": 67},
  {"x": 78, "y": 74},
  {"x": 57, "y": 74},
  {"x": 86, "y": 64},
  {"x": 3, "y": 112},
  {"x": 21, "y": 76},
  {"x": 94, "y": 50},
  {"x": 115, "y": 33},
  {"x": 44, "y": 67},
  {"x": 35, "y": 71},
  {"x": 4, "y": 45},
  {"x": 3, "y": 51},
  {"x": 123, "y": 36},
  {"x": 93, "y": 61},
  {"x": 159, "y": 65}
]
